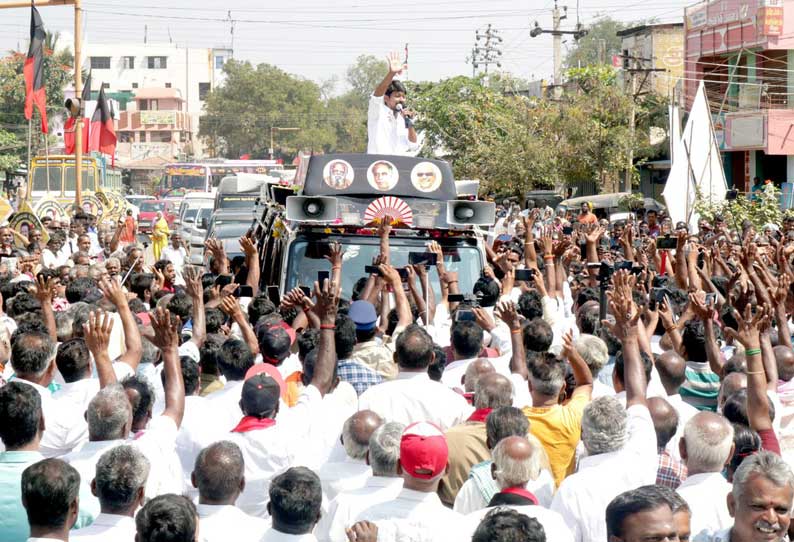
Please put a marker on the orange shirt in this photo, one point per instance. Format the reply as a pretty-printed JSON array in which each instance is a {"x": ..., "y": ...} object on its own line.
[{"x": 589, "y": 218}]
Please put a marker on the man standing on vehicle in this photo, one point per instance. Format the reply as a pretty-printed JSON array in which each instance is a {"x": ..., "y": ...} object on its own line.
[{"x": 390, "y": 127}]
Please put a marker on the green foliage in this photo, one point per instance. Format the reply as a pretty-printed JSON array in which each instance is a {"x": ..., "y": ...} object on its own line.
[
  {"x": 763, "y": 210},
  {"x": 58, "y": 70},
  {"x": 9, "y": 146},
  {"x": 364, "y": 75},
  {"x": 631, "y": 202},
  {"x": 598, "y": 46}
]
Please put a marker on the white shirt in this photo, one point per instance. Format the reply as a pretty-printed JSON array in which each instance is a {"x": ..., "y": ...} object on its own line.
[
  {"x": 471, "y": 499},
  {"x": 386, "y": 133},
  {"x": 337, "y": 407},
  {"x": 219, "y": 523},
  {"x": 176, "y": 256},
  {"x": 685, "y": 411},
  {"x": 272, "y": 535},
  {"x": 455, "y": 371},
  {"x": 420, "y": 510},
  {"x": 707, "y": 497},
  {"x": 224, "y": 407},
  {"x": 62, "y": 431},
  {"x": 552, "y": 522},
  {"x": 343, "y": 510},
  {"x": 192, "y": 436},
  {"x": 106, "y": 528},
  {"x": 345, "y": 476},
  {"x": 268, "y": 452},
  {"x": 583, "y": 497},
  {"x": 413, "y": 397}
]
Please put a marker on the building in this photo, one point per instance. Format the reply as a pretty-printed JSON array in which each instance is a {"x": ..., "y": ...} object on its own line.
[
  {"x": 653, "y": 47},
  {"x": 744, "y": 52},
  {"x": 156, "y": 123}
]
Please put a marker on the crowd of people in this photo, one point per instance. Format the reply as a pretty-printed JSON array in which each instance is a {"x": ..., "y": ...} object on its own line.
[{"x": 628, "y": 381}]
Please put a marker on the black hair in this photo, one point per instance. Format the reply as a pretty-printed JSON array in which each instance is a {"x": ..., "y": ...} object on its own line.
[
  {"x": 209, "y": 354},
  {"x": 160, "y": 265},
  {"x": 613, "y": 344},
  {"x": 344, "y": 336},
  {"x": 537, "y": 335},
  {"x": 31, "y": 353},
  {"x": 235, "y": 358},
  {"x": 632, "y": 502},
  {"x": 395, "y": 86},
  {"x": 586, "y": 294},
  {"x": 143, "y": 403},
  {"x": 181, "y": 305},
  {"x": 213, "y": 319},
  {"x": 307, "y": 341},
  {"x": 505, "y": 422},
  {"x": 529, "y": 305},
  {"x": 436, "y": 369},
  {"x": 735, "y": 408},
  {"x": 73, "y": 360},
  {"x": 288, "y": 313},
  {"x": 167, "y": 518},
  {"x": 274, "y": 342},
  {"x": 309, "y": 363},
  {"x": 49, "y": 488},
  {"x": 746, "y": 442},
  {"x": 136, "y": 306},
  {"x": 466, "y": 339},
  {"x": 80, "y": 289},
  {"x": 487, "y": 291},
  {"x": 295, "y": 499},
  {"x": 507, "y": 525},
  {"x": 22, "y": 303},
  {"x": 190, "y": 374},
  {"x": 20, "y": 410},
  {"x": 140, "y": 282},
  {"x": 414, "y": 348},
  {"x": 647, "y": 366},
  {"x": 358, "y": 287},
  {"x": 259, "y": 307}
]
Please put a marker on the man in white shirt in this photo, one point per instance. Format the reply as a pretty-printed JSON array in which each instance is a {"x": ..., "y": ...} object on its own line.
[
  {"x": 177, "y": 255},
  {"x": 219, "y": 478},
  {"x": 234, "y": 360},
  {"x": 466, "y": 340},
  {"x": 389, "y": 126},
  {"x": 50, "y": 496},
  {"x": 412, "y": 396},
  {"x": 620, "y": 442},
  {"x": 353, "y": 473},
  {"x": 121, "y": 475},
  {"x": 706, "y": 448},
  {"x": 295, "y": 501},
  {"x": 423, "y": 460},
  {"x": 514, "y": 465},
  {"x": 171, "y": 517},
  {"x": 640, "y": 514}
]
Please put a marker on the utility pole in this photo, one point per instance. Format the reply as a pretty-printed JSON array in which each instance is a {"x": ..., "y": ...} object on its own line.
[
  {"x": 78, "y": 85},
  {"x": 486, "y": 51},
  {"x": 557, "y": 17}
]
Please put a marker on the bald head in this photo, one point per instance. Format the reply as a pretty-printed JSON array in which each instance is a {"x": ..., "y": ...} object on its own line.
[
  {"x": 218, "y": 473},
  {"x": 476, "y": 370},
  {"x": 356, "y": 432},
  {"x": 730, "y": 385},
  {"x": 516, "y": 461},
  {"x": 707, "y": 444},
  {"x": 665, "y": 420},
  {"x": 493, "y": 391},
  {"x": 672, "y": 371},
  {"x": 784, "y": 357}
]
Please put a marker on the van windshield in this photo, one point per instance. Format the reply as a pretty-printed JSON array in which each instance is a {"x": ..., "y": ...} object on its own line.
[{"x": 306, "y": 259}]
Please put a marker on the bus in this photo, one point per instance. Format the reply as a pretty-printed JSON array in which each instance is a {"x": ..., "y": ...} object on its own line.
[
  {"x": 54, "y": 176},
  {"x": 205, "y": 176}
]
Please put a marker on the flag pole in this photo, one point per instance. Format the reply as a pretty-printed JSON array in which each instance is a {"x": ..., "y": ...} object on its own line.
[
  {"x": 78, "y": 92},
  {"x": 30, "y": 181},
  {"x": 47, "y": 169}
]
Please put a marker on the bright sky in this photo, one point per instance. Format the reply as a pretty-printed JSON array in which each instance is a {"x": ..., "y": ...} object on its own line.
[{"x": 320, "y": 38}]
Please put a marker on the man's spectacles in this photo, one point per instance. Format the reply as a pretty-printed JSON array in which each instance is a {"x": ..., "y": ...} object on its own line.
[{"x": 425, "y": 174}]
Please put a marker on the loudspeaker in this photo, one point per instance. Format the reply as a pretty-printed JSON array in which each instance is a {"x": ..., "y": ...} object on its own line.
[
  {"x": 467, "y": 188},
  {"x": 471, "y": 213},
  {"x": 311, "y": 209}
]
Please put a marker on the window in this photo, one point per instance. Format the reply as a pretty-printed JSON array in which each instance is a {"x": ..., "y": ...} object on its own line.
[
  {"x": 204, "y": 89},
  {"x": 100, "y": 62},
  {"x": 219, "y": 62},
  {"x": 168, "y": 85},
  {"x": 156, "y": 62},
  {"x": 135, "y": 85},
  {"x": 128, "y": 62},
  {"x": 153, "y": 105},
  {"x": 160, "y": 137},
  {"x": 126, "y": 137}
]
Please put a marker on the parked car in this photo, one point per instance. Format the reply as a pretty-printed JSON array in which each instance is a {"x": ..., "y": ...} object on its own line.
[
  {"x": 606, "y": 205},
  {"x": 227, "y": 227},
  {"x": 195, "y": 233},
  {"x": 149, "y": 209}
]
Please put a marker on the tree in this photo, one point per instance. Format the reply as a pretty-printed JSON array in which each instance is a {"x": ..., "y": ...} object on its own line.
[
  {"x": 252, "y": 100},
  {"x": 364, "y": 75},
  {"x": 10, "y": 145},
  {"x": 598, "y": 45}
]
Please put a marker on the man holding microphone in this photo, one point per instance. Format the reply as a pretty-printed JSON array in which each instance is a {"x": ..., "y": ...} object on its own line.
[{"x": 389, "y": 125}]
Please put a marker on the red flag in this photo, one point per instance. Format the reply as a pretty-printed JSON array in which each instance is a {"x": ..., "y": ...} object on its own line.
[
  {"x": 34, "y": 71},
  {"x": 103, "y": 134},
  {"x": 68, "y": 127}
]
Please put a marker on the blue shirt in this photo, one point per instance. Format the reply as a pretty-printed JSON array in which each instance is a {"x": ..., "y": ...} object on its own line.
[
  {"x": 13, "y": 518},
  {"x": 357, "y": 375}
]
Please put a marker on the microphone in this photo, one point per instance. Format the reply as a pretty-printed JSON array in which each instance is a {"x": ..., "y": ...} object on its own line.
[{"x": 399, "y": 109}]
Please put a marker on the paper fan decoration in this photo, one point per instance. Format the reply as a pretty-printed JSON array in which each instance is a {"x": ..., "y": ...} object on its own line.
[{"x": 390, "y": 206}]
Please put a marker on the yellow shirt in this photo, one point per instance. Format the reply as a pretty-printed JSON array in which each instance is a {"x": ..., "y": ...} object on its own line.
[{"x": 559, "y": 429}]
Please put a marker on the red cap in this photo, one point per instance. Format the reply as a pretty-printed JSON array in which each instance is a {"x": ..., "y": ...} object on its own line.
[
  {"x": 423, "y": 451},
  {"x": 272, "y": 371}
]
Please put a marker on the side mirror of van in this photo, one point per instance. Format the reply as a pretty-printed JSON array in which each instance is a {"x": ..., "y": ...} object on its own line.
[{"x": 204, "y": 223}]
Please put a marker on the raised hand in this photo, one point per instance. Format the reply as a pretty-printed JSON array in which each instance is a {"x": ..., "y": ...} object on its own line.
[
  {"x": 748, "y": 327},
  {"x": 45, "y": 290},
  {"x": 166, "y": 329},
  {"x": 327, "y": 298},
  {"x": 193, "y": 283},
  {"x": 507, "y": 311},
  {"x": 594, "y": 233},
  {"x": 231, "y": 306},
  {"x": 363, "y": 531},
  {"x": 390, "y": 275},
  {"x": 96, "y": 331},
  {"x": 704, "y": 311},
  {"x": 395, "y": 62},
  {"x": 336, "y": 253},
  {"x": 113, "y": 292},
  {"x": 384, "y": 228},
  {"x": 483, "y": 319},
  {"x": 247, "y": 244},
  {"x": 621, "y": 301}
]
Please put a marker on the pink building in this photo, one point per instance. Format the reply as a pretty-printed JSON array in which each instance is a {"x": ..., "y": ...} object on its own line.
[
  {"x": 155, "y": 124},
  {"x": 744, "y": 51}
]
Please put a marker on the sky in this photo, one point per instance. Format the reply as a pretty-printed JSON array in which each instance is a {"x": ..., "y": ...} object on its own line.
[{"x": 319, "y": 39}]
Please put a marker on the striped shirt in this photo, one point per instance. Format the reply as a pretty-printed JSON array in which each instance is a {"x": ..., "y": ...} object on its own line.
[{"x": 702, "y": 386}]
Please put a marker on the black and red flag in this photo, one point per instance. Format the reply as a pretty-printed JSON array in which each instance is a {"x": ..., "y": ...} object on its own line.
[
  {"x": 34, "y": 71},
  {"x": 103, "y": 133},
  {"x": 68, "y": 127}
]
